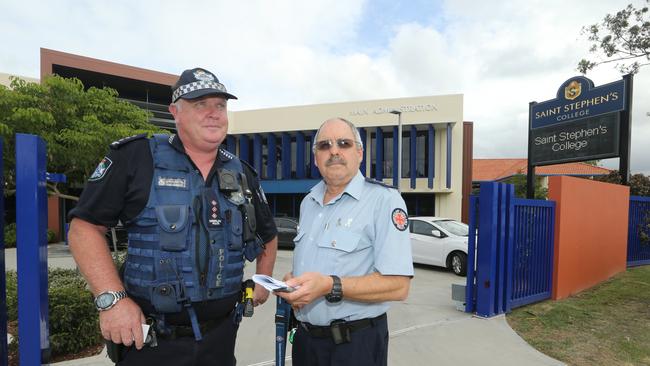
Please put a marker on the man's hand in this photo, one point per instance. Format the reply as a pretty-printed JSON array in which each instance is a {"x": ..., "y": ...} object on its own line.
[
  {"x": 123, "y": 323},
  {"x": 309, "y": 287},
  {"x": 260, "y": 295}
]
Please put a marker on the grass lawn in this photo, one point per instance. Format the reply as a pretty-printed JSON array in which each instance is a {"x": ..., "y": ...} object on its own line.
[{"x": 608, "y": 324}]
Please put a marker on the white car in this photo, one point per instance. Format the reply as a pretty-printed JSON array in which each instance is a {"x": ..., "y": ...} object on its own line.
[{"x": 440, "y": 242}]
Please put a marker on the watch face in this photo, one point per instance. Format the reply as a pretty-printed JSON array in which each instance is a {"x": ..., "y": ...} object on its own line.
[{"x": 104, "y": 300}]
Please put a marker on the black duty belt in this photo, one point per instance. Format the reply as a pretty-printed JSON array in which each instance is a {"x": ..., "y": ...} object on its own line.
[
  {"x": 179, "y": 331},
  {"x": 326, "y": 331}
]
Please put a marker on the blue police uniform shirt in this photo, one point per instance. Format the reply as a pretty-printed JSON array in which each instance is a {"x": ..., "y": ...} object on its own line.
[{"x": 361, "y": 231}]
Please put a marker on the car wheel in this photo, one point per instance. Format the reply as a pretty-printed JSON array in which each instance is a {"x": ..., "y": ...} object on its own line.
[{"x": 458, "y": 263}]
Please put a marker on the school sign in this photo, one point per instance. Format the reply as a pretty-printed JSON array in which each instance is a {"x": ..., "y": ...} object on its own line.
[{"x": 583, "y": 122}]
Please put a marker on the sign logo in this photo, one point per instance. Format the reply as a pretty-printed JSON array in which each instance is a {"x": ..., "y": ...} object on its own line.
[{"x": 573, "y": 90}]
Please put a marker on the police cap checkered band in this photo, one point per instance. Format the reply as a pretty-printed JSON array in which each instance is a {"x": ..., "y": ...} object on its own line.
[{"x": 196, "y": 83}]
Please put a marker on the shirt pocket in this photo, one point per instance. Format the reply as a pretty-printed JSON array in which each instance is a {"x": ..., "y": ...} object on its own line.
[{"x": 343, "y": 252}]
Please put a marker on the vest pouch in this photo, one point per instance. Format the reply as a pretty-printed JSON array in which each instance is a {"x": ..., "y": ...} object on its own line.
[
  {"x": 164, "y": 297},
  {"x": 235, "y": 233},
  {"x": 253, "y": 249},
  {"x": 174, "y": 227}
]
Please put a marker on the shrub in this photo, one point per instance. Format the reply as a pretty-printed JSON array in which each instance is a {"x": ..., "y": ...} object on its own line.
[
  {"x": 10, "y": 235},
  {"x": 51, "y": 236},
  {"x": 74, "y": 322}
]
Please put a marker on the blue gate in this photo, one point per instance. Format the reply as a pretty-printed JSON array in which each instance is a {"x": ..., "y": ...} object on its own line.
[
  {"x": 512, "y": 263},
  {"x": 638, "y": 233}
]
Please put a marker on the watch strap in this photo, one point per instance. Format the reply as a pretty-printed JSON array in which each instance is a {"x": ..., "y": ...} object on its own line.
[{"x": 336, "y": 294}]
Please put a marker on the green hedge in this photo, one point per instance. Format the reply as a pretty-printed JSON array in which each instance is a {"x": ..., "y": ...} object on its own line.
[
  {"x": 74, "y": 322},
  {"x": 10, "y": 235}
]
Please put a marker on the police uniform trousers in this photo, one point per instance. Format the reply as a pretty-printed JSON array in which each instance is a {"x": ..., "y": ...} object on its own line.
[
  {"x": 367, "y": 347},
  {"x": 216, "y": 348}
]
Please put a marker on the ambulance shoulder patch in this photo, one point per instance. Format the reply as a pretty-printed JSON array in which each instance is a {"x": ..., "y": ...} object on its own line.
[
  {"x": 400, "y": 219},
  {"x": 101, "y": 170}
]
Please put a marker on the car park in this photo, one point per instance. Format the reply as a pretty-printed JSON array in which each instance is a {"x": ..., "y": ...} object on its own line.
[
  {"x": 440, "y": 242},
  {"x": 287, "y": 230}
]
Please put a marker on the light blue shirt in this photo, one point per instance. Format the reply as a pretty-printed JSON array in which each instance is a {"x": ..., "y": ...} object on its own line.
[{"x": 361, "y": 231}]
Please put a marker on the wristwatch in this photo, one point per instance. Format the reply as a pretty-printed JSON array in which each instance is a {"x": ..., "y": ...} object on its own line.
[
  {"x": 336, "y": 295},
  {"x": 108, "y": 299}
]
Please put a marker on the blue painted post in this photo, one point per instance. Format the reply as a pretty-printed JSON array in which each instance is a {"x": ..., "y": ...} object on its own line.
[
  {"x": 510, "y": 247},
  {"x": 487, "y": 249},
  {"x": 271, "y": 161},
  {"x": 31, "y": 221},
  {"x": 379, "y": 161},
  {"x": 257, "y": 155},
  {"x": 431, "y": 156},
  {"x": 470, "y": 288},
  {"x": 448, "y": 155},
  {"x": 413, "y": 156},
  {"x": 314, "y": 173},
  {"x": 244, "y": 149},
  {"x": 300, "y": 155},
  {"x": 231, "y": 144},
  {"x": 286, "y": 156},
  {"x": 4, "y": 357},
  {"x": 362, "y": 134},
  {"x": 506, "y": 207},
  {"x": 396, "y": 174}
]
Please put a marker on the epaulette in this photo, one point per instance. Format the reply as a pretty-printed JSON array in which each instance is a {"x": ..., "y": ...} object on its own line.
[
  {"x": 253, "y": 171},
  {"x": 223, "y": 153},
  {"x": 378, "y": 182},
  {"x": 121, "y": 142}
]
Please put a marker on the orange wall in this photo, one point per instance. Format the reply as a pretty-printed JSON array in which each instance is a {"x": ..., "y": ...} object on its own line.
[
  {"x": 591, "y": 221},
  {"x": 53, "y": 215}
]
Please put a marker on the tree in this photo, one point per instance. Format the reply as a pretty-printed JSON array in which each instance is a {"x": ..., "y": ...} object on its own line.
[
  {"x": 639, "y": 183},
  {"x": 623, "y": 38},
  {"x": 520, "y": 182},
  {"x": 76, "y": 124}
]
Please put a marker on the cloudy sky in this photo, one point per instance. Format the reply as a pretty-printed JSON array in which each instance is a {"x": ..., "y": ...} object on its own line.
[{"x": 500, "y": 54}]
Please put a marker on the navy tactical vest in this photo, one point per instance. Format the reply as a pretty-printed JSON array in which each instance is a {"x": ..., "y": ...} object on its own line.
[{"x": 186, "y": 245}]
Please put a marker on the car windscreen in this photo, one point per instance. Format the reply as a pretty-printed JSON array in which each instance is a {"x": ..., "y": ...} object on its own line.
[{"x": 454, "y": 227}]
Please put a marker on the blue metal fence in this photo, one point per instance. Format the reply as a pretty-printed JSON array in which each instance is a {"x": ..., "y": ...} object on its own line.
[
  {"x": 532, "y": 256},
  {"x": 513, "y": 261},
  {"x": 638, "y": 233}
]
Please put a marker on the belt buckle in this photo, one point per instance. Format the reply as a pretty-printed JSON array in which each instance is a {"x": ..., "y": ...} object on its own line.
[{"x": 340, "y": 331}]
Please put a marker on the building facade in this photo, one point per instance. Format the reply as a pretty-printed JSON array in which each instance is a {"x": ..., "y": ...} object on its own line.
[{"x": 435, "y": 177}]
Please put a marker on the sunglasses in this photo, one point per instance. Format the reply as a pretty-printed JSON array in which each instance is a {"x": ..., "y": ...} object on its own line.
[{"x": 325, "y": 145}]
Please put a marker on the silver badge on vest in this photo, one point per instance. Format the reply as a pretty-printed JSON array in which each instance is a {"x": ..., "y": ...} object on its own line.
[{"x": 172, "y": 182}]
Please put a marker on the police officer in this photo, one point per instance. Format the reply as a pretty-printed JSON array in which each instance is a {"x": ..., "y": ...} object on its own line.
[
  {"x": 352, "y": 256},
  {"x": 194, "y": 212}
]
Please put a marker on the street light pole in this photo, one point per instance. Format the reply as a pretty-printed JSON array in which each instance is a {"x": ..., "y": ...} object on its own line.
[{"x": 399, "y": 147}]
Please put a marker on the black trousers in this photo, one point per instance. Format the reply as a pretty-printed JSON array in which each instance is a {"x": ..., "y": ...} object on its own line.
[
  {"x": 216, "y": 348},
  {"x": 368, "y": 347}
]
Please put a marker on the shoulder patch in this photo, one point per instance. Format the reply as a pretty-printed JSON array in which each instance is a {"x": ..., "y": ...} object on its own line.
[
  {"x": 375, "y": 181},
  {"x": 121, "y": 142},
  {"x": 400, "y": 219},
  {"x": 101, "y": 170}
]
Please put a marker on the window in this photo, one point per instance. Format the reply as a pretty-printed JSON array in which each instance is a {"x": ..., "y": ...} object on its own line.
[{"x": 421, "y": 228}]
